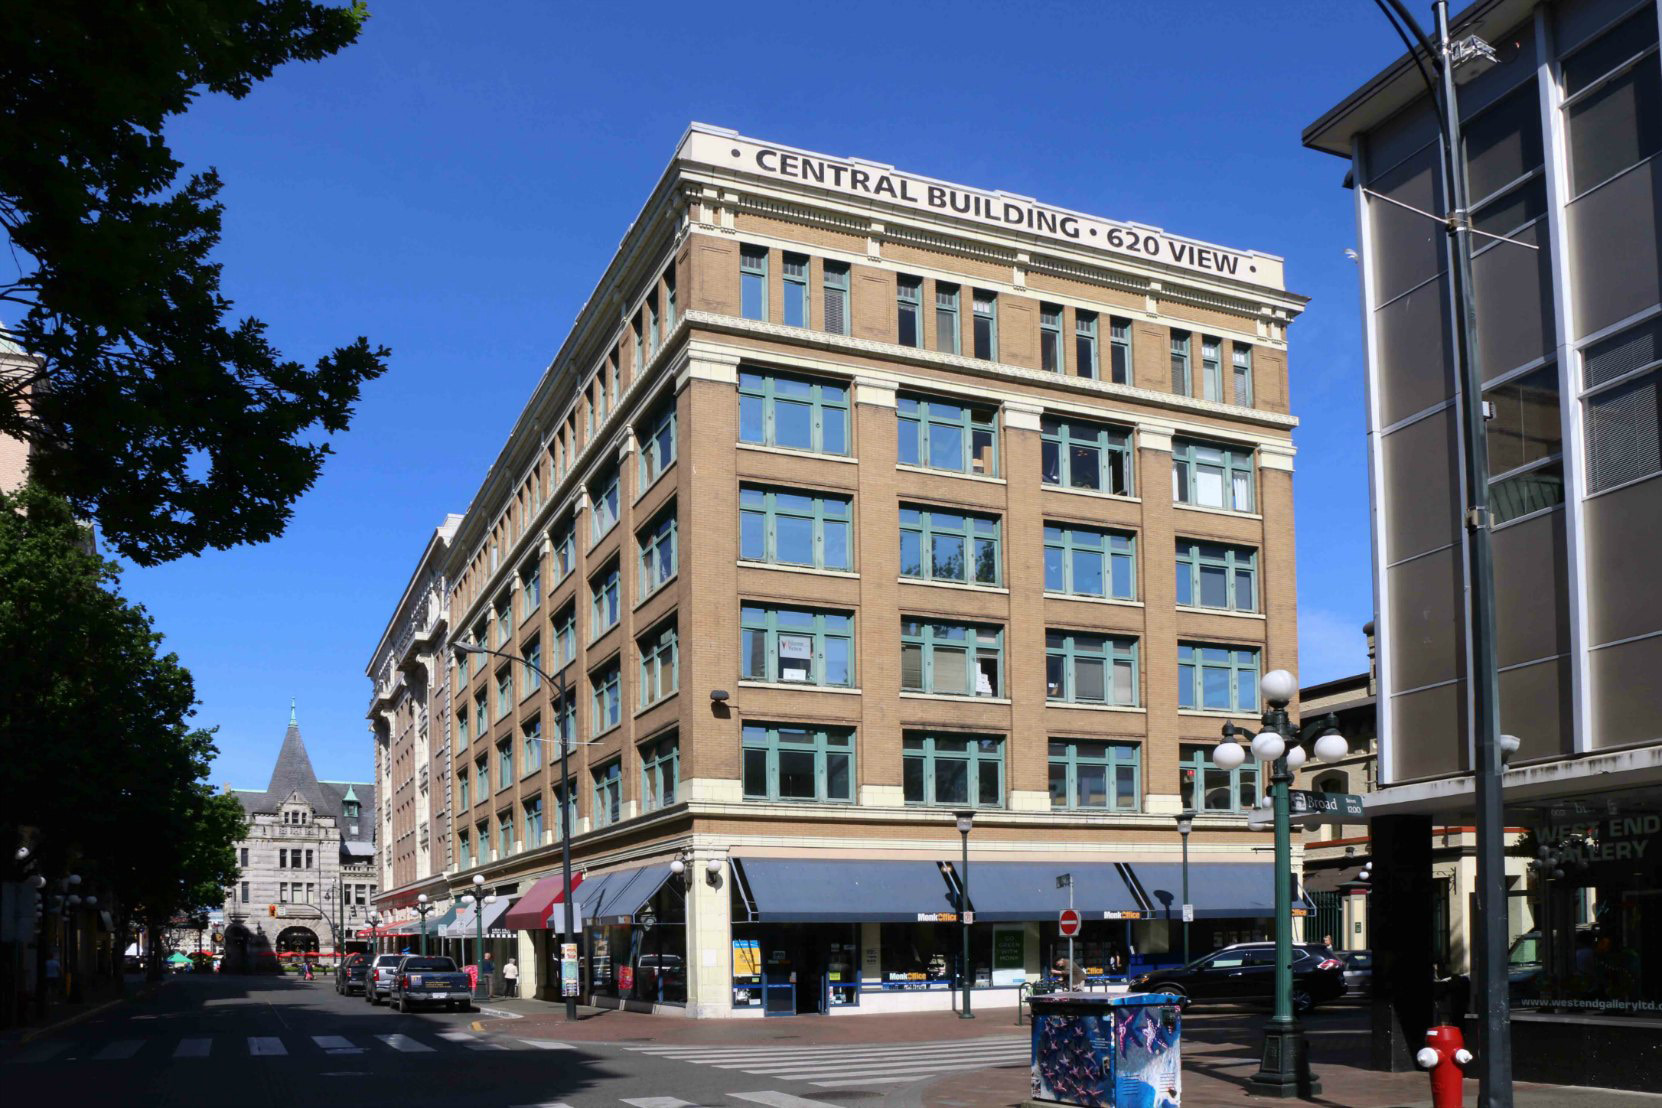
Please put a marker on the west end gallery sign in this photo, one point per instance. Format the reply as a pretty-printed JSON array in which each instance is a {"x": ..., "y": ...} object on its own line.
[{"x": 998, "y": 209}]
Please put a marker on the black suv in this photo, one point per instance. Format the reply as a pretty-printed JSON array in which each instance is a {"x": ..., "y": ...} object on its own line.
[
  {"x": 349, "y": 975},
  {"x": 1246, "y": 972}
]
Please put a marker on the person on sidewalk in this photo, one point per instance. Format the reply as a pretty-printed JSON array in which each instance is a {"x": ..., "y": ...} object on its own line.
[
  {"x": 1068, "y": 975},
  {"x": 510, "y": 978},
  {"x": 54, "y": 974},
  {"x": 487, "y": 973}
]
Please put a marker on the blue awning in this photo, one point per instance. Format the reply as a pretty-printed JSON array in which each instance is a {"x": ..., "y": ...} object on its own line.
[
  {"x": 1218, "y": 890},
  {"x": 613, "y": 897},
  {"x": 1001, "y": 892},
  {"x": 842, "y": 890}
]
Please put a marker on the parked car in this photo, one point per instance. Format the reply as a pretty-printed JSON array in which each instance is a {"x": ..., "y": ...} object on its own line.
[
  {"x": 350, "y": 974},
  {"x": 423, "y": 979},
  {"x": 1246, "y": 972},
  {"x": 1358, "y": 972},
  {"x": 378, "y": 977}
]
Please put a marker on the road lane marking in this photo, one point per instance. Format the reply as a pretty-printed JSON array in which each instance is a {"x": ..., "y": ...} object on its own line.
[
  {"x": 860, "y": 1082},
  {"x": 782, "y": 1100},
  {"x": 266, "y": 1046},
  {"x": 656, "y": 1102},
  {"x": 193, "y": 1048},
  {"x": 470, "y": 1040},
  {"x": 877, "y": 1054},
  {"x": 545, "y": 1044},
  {"x": 119, "y": 1050},
  {"x": 544, "y": 1104},
  {"x": 405, "y": 1044},
  {"x": 337, "y": 1044},
  {"x": 719, "y": 1052}
]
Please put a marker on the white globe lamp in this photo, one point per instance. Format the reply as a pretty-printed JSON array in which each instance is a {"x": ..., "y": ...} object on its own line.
[
  {"x": 1331, "y": 747},
  {"x": 1267, "y": 746},
  {"x": 1295, "y": 757},
  {"x": 1278, "y": 686},
  {"x": 1228, "y": 755}
]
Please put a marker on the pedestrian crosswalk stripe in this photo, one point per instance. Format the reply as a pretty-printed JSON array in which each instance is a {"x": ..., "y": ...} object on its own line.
[
  {"x": 37, "y": 1052},
  {"x": 470, "y": 1040},
  {"x": 337, "y": 1044},
  {"x": 545, "y": 1044},
  {"x": 851, "y": 1066},
  {"x": 860, "y": 1082},
  {"x": 781, "y": 1100},
  {"x": 720, "y": 1052},
  {"x": 116, "y": 1051},
  {"x": 655, "y": 1102},
  {"x": 878, "y": 1054},
  {"x": 267, "y": 1046},
  {"x": 888, "y": 1069},
  {"x": 193, "y": 1048},
  {"x": 405, "y": 1044}
]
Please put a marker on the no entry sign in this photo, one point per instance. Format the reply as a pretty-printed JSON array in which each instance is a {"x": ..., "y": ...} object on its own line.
[{"x": 1068, "y": 923}]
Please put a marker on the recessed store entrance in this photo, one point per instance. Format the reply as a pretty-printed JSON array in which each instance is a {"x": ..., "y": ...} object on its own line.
[{"x": 805, "y": 967}]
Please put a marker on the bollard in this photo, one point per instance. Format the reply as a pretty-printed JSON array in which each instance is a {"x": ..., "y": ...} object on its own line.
[{"x": 1445, "y": 1055}]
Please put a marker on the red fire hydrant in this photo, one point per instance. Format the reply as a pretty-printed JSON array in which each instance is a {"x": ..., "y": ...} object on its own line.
[{"x": 1445, "y": 1055}]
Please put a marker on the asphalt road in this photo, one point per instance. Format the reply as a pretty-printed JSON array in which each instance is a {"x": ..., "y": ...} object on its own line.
[{"x": 255, "y": 1042}]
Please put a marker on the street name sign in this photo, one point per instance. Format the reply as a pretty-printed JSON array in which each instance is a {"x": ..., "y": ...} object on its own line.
[{"x": 1316, "y": 807}]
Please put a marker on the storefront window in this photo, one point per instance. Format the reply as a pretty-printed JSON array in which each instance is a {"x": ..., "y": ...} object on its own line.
[
  {"x": 926, "y": 955},
  {"x": 645, "y": 960}
]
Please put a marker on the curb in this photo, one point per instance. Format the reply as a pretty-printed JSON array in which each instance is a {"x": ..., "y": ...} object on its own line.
[{"x": 81, "y": 1017}]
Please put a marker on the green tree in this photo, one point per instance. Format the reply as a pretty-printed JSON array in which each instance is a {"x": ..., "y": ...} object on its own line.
[{"x": 149, "y": 410}]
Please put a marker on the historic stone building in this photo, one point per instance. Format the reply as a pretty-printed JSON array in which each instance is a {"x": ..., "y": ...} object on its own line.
[{"x": 308, "y": 862}]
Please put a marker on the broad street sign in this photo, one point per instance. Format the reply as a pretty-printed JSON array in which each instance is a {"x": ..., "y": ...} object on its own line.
[
  {"x": 1067, "y": 922},
  {"x": 1316, "y": 807}
]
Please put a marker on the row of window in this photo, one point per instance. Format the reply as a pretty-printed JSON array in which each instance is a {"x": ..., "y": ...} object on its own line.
[
  {"x": 1083, "y": 356},
  {"x": 353, "y": 896}
]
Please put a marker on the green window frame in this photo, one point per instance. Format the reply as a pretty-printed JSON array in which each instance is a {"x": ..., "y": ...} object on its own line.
[
  {"x": 569, "y": 801},
  {"x": 951, "y": 659},
  {"x": 909, "y": 311},
  {"x": 1085, "y": 561},
  {"x": 793, "y": 281},
  {"x": 1211, "y": 369},
  {"x": 938, "y": 544},
  {"x": 794, "y": 763},
  {"x": 1212, "y": 575},
  {"x": 1075, "y": 454},
  {"x": 1095, "y": 776},
  {"x": 1051, "y": 359},
  {"x": 657, "y": 445},
  {"x": 504, "y": 693},
  {"x": 481, "y": 714},
  {"x": 464, "y": 799},
  {"x": 1119, "y": 350},
  {"x": 504, "y": 764},
  {"x": 464, "y": 849},
  {"x": 835, "y": 295},
  {"x": 532, "y": 810},
  {"x": 603, "y": 504},
  {"x": 946, "y": 318},
  {"x": 753, "y": 282},
  {"x": 797, "y": 646},
  {"x": 1211, "y": 475},
  {"x": 1181, "y": 377},
  {"x": 1241, "y": 360},
  {"x": 660, "y": 663},
  {"x": 984, "y": 308},
  {"x": 669, "y": 300},
  {"x": 530, "y": 588},
  {"x": 504, "y": 616},
  {"x": 1085, "y": 668},
  {"x": 603, "y": 601},
  {"x": 1084, "y": 343},
  {"x": 1220, "y": 790},
  {"x": 608, "y": 793},
  {"x": 531, "y": 674},
  {"x": 564, "y": 543},
  {"x": 606, "y": 684},
  {"x": 563, "y": 650},
  {"x": 955, "y": 769},
  {"x": 530, "y": 734},
  {"x": 461, "y": 728},
  {"x": 1216, "y": 678},
  {"x": 660, "y": 773},
  {"x": 945, "y": 435},
  {"x": 482, "y": 835},
  {"x": 659, "y": 552},
  {"x": 784, "y": 527},
  {"x": 652, "y": 323},
  {"x": 461, "y": 671},
  {"x": 565, "y": 722},
  {"x": 482, "y": 778},
  {"x": 793, "y": 413}
]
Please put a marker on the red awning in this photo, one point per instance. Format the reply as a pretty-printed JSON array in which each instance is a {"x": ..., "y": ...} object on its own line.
[{"x": 531, "y": 913}]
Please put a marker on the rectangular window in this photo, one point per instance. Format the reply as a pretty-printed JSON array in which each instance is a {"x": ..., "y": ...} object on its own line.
[
  {"x": 567, "y": 809},
  {"x": 564, "y": 541},
  {"x": 531, "y": 651},
  {"x": 463, "y": 800},
  {"x": 953, "y": 769},
  {"x": 1050, "y": 338},
  {"x": 1095, "y": 776},
  {"x": 1211, "y": 476},
  {"x": 660, "y": 773},
  {"x": 504, "y": 694},
  {"x": 603, "y": 612},
  {"x": 794, "y": 281},
  {"x": 607, "y": 706},
  {"x": 531, "y": 741},
  {"x": 786, "y": 762},
  {"x": 282, "y": 892},
  {"x": 1180, "y": 383},
  {"x": 909, "y": 304},
  {"x": 790, "y": 528},
  {"x": 669, "y": 300},
  {"x": 504, "y": 764},
  {"x": 565, "y": 722},
  {"x": 1217, "y": 678},
  {"x": 1083, "y": 561},
  {"x": 608, "y": 794},
  {"x": 1206, "y": 788},
  {"x": 836, "y": 298},
  {"x": 530, "y": 587},
  {"x": 1079, "y": 455},
  {"x": 951, "y": 659},
  {"x": 941, "y": 434},
  {"x": 481, "y": 783},
  {"x": 1119, "y": 340},
  {"x": 795, "y": 413},
  {"x": 1623, "y": 378},
  {"x": 504, "y": 620},
  {"x": 940, "y": 545},
  {"x": 533, "y": 821},
  {"x": 603, "y": 504},
  {"x": 1211, "y": 369},
  {"x": 796, "y": 645},
  {"x": 946, "y": 318},
  {"x": 242, "y": 856},
  {"x": 1084, "y": 343},
  {"x": 1242, "y": 359},
  {"x": 1613, "y": 101},
  {"x": 464, "y": 849},
  {"x": 1211, "y": 575},
  {"x": 652, "y": 324},
  {"x": 986, "y": 325},
  {"x": 660, "y": 652},
  {"x": 1526, "y": 448},
  {"x": 1090, "y": 669},
  {"x": 657, "y": 444},
  {"x": 244, "y": 892},
  {"x": 481, "y": 714},
  {"x": 564, "y": 648},
  {"x": 753, "y": 282},
  {"x": 658, "y": 545},
  {"x": 482, "y": 835},
  {"x": 504, "y": 833}
]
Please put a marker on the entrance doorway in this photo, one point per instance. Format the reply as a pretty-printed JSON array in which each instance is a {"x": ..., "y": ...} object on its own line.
[{"x": 806, "y": 967}]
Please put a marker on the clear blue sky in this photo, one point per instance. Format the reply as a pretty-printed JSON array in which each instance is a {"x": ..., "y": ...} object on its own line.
[{"x": 453, "y": 185}]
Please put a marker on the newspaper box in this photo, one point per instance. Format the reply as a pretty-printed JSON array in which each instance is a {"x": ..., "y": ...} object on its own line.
[{"x": 1101, "y": 1051}]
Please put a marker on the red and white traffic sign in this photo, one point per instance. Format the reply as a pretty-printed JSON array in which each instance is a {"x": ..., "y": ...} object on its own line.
[{"x": 1068, "y": 923}]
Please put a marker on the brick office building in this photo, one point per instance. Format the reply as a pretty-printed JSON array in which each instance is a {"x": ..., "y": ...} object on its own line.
[{"x": 854, "y": 498}]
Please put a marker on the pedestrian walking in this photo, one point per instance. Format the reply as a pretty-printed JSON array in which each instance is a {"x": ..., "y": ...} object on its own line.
[
  {"x": 54, "y": 973},
  {"x": 510, "y": 978},
  {"x": 487, "y": 972}
]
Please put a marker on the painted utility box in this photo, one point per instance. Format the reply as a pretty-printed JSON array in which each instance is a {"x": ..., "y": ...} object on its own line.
[{"x": 1100, "y": 1051}]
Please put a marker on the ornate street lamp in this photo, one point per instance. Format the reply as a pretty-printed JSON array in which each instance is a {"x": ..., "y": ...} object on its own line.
[
  {"x": 424, "y": 906},
  {"x": 1284, "y": 1070},
  {"x": 480, "y": 899},
  {"x": 1185, "y": 824}
]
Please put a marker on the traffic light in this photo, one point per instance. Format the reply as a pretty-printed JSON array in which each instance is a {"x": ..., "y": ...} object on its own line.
[{"x": 271, "y": 909}]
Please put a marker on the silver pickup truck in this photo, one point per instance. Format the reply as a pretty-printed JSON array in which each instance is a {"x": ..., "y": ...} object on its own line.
[
  {"x": 378, "y": 978},
  {"x": 421, "y": 979}
]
